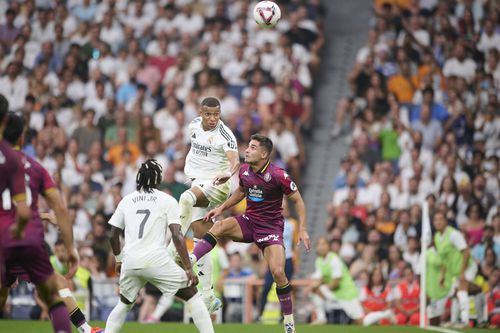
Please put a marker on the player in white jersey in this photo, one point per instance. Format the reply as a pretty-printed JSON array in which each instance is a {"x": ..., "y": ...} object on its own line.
[
  {"x": 210, "y": 163},
  {"x": 144, "y": 216}
]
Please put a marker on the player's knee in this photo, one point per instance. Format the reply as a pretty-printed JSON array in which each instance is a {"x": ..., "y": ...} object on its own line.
[
  {"x": 187, "y": 199},
  {"x": 278, "y": 272},
  {"x": 125, "y": 301}
]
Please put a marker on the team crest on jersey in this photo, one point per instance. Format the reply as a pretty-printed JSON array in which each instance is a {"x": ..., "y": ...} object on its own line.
[
  {"x": 267, "y": 177},
  {"x": 211, "y": 140}
]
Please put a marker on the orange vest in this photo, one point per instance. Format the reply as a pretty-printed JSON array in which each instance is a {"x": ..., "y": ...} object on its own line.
[
  {"x": 374, "y": 302},
  {"x": 409, "y": 299}
]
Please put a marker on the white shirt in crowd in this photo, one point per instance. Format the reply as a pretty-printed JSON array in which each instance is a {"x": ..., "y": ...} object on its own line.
[{"x": 465, "y": 69}]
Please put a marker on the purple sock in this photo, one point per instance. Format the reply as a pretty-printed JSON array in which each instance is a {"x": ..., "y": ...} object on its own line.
[
  {"x": 205, "y": 245},
  {"x": 59, "y": 317},
  {"x": 285, "y": 297}
]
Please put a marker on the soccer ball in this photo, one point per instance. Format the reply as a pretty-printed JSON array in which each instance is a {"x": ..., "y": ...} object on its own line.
[{"x": 266, "y": 14}]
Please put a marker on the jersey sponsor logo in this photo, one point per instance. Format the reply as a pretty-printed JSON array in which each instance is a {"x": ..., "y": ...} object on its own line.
[
  {"x": 255, "y": 194},
  {"x": 267, "y": 177},
  {"x": 200, "y": 149},
  {"x": 293, "y": 187},
  {"x": 272, "y": 238}
]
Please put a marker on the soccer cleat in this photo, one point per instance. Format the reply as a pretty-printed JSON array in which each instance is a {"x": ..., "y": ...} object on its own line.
[
  {"x": 319, "y": 322},
  {"x": 212, "y": 303},
  {"x": 151, "y": 320},
  {"x": 96, "y": 330},
  {"x": 289, "y": 328}
]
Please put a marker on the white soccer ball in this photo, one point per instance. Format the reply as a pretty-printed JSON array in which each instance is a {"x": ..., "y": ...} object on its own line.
[{"x": 266, "y": 14}]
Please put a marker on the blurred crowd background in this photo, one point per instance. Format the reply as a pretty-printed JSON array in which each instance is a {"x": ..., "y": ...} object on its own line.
[{"x": 108, "y": 84}]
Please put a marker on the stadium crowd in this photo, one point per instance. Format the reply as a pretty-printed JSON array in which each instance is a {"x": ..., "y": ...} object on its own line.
[
  {"x": 106, "y": 85},
  {"x": 424, "y": 119}
]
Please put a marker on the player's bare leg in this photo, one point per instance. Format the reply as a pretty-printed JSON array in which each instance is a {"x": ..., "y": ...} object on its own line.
[
  {"x": 75, "y": 314},
  {"x": 49, "y": 293},
  {"x": 191, "y": 198},
  {"x": 228, "y": 228},
  {"x": 275, "y": 258}
]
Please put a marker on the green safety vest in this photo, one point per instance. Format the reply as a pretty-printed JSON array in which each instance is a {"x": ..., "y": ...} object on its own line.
[
  {"x": 58, "y": 266},
  {"x": 433, "y": 274},
  {"x": 451, "y": 257},
  {"x": 347, "y": 290}
]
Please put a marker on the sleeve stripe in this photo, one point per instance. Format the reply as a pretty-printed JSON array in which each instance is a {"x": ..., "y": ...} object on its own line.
[{"x": 226, "y": 135}]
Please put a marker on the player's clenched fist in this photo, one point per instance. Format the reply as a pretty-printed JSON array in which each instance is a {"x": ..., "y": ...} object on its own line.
[{"x": 192, "y": 278}]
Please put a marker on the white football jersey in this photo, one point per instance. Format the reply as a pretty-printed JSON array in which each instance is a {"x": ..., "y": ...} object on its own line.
[
  {"x": 207, "y": 156},
  {"x": 145, "y": 218}
]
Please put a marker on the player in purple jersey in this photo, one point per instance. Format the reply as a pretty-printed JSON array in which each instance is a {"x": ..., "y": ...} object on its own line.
[
  {"x": 11, "y": 179},
  {"x": 27, "y": 249},
  {"x": 13, "y": 134},
  {"x": 264, "y": 185}
]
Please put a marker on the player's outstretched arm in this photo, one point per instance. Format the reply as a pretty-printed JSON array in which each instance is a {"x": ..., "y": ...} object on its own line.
[
  {"x": 236, "y": 197},
  {"x": 300, "y": 207},
  {"x": 114, "y": 240},
  {"x": 180, "y": 246},
  {"x": 234, "y": 167},
  {"x": 55, "y": 203}
]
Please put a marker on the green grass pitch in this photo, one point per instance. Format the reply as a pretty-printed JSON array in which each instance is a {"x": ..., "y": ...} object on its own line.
[{"x": 12, "y": 326}]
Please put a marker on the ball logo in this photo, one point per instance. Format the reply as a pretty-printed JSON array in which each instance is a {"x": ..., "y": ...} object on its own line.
[{"x": 267, "y": 177}]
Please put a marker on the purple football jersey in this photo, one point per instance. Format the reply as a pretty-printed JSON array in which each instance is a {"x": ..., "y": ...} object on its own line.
[
  {"x": 12, "y": 185},
  {"x": 39, "y": 183},
  {"x": 264, "y": 193}
]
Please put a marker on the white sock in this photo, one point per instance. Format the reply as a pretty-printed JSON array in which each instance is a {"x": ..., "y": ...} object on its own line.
[
  {"x": 204, "y": 266},
  {"x": 186, "y": 204},
  {"x": 374, "y": 317},
  {"x": 289, "y": 323},
  {"x": 463, "y": 304},
  {"x": 117, "y": 317},
  {"x": 319, "y": 305},
  {"x": 454, "y": 311},
  {"x": 193, "y": 259},
  {"x": 327, "y": 293},
  {"x": 200, "y": 315},
  {"x": 85, "y": 328},
  {"x": 163, "y": 305},
  {"x": 479, "y": 303}
]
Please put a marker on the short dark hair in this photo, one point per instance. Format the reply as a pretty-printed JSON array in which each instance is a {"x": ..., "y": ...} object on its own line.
[
  {"x": 4, "y": 107},
  {"x": 14, "y": 128},
  {"x": 149, "y": 176},
  {"x": 211, "y": 102},
  {"x": 264, "y": 142}
]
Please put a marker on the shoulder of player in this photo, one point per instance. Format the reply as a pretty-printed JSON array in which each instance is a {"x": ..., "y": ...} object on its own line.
[
  {"x": 225, "y": 133},
  {"x": 166, "y": 198},
  {"x": 195, "y": 122}
]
